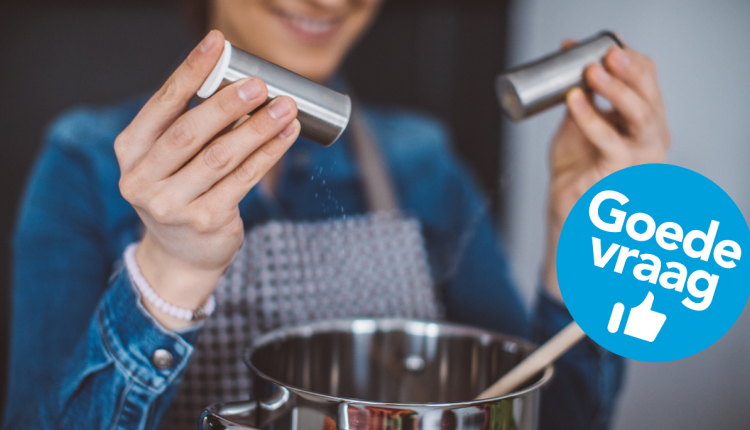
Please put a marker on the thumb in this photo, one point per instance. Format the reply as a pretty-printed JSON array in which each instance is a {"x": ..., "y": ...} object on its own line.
[
  {"x": 646, "y": 305},
  {"x": 568, "y": 43}
]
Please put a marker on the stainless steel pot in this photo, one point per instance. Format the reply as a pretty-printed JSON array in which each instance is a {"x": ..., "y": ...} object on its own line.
[{"x": 382, "y": 374}]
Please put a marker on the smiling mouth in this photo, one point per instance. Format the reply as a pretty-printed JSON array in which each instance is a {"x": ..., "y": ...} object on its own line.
[{"x": 313, "y": 29}]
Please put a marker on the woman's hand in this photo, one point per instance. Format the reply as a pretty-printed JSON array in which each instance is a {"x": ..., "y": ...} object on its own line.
[
  {"x": 186, "y": 183},
  {"x": 591, "y": 144}
]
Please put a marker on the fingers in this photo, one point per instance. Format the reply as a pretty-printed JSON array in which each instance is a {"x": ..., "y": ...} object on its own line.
[
  {"x": 233, "y": 187},
  {"x": 593, "y": 125},
  {"x": 183, "y": 139},
  {"x": 170, "y": 101},
  {"x": 638, "y": 114},
  {"x": 226, "y": 153},
  {"x": 637, "y": 71},
  {"x": 568, "y": 43}
]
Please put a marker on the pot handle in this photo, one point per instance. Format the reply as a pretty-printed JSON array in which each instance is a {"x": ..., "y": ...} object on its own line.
[{"x": 229, "y": 416}]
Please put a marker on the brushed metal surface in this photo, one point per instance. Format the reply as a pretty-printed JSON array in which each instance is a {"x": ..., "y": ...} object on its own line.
[
  {"x": 361, "y": 374},
  {"x": 533, "y": 87},
  {"x": 322, "y": 112}
]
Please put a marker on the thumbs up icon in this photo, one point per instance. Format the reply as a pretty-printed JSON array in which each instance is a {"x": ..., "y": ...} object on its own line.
[{"x": 643, "y": 323}]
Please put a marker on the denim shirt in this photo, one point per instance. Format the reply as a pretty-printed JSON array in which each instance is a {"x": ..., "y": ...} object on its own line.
[{"x": 82, "y": 343}]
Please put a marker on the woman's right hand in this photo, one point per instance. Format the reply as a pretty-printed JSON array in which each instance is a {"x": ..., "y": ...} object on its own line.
[{"x": 186, "y": 183}]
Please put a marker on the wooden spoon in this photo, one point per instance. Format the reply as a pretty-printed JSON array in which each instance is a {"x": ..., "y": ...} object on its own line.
[{"x": 535, "y": 362}]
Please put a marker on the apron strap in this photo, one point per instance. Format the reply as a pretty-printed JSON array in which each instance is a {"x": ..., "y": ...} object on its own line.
[{"x": 378, "y": 186}]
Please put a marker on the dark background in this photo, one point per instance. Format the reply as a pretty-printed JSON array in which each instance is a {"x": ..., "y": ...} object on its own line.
[{"x": 439, "y": 56}]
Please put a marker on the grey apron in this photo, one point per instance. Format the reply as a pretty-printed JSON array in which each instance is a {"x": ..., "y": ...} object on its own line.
[{"x": 290, "y": 273}]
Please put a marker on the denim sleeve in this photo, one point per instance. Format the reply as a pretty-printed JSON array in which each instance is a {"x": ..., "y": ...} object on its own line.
[
  {"x": 80, "y": 343},
  {"x": 469, "y": 264},
  {"x": 478, "y": 288},
  {"x": 110, "y": 381},
  {"x": 587, "y": 380}
]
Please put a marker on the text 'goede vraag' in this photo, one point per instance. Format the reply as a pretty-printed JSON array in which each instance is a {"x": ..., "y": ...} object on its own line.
[{"x": 667, "y": 235}]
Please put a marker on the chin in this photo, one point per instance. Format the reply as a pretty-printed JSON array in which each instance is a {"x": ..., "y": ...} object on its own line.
[
  {"x": 314, "y": 68},
  {"x": 313, "y": 49},
  {"x": 310, "y": 41}
]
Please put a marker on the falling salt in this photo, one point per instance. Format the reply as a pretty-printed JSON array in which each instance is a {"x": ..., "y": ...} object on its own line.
[{"x": 332, "y": 207}]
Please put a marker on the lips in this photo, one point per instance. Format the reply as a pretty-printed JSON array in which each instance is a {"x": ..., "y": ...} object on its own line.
[{"x": 311, "y": 29}]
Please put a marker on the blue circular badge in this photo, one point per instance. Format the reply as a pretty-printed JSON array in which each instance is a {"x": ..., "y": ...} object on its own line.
[{"x": 653, "y": 262}]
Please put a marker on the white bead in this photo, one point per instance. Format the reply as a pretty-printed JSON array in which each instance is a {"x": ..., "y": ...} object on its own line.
[{"x": 150, "y": 295}]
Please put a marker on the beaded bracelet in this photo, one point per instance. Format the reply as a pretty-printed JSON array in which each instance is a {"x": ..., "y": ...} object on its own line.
[{"x": 198, "y": 314}]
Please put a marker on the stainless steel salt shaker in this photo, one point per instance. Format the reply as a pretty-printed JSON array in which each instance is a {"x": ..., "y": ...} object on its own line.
[
  {"x": 533, "y": 87},
  {"x": 322, "y": 112}
]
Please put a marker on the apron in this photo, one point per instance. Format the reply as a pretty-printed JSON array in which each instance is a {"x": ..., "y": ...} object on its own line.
[{"x": 291, "y": 273}]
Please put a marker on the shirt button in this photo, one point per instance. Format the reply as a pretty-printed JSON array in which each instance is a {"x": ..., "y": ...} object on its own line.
[{"x": 162, "y": 359}]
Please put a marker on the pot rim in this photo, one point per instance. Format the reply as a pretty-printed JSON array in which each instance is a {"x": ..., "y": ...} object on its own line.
[{"x": 372, "y": 325}]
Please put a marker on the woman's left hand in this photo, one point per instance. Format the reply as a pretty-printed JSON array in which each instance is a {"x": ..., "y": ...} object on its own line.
[{"x": 592, "y": 143}]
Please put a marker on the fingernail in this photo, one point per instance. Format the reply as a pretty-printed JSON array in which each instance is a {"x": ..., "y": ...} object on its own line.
[
  {"x": 249, "y": 90},
  {"x": 288, "y": 131},
  {"x": 620, "y": 58},
  {"x": 578, "y": 100},
  {"x": 601, "y": 75},
  {"x": 279, "y": 107},
  {"x": 208, "y": 41}
]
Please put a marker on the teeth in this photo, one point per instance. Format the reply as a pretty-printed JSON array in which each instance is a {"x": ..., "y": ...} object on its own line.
[{"x": 315, "y": 26}]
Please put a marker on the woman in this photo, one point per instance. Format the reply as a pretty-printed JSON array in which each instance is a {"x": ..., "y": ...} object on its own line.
[{"x": 100, "y": 348}]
